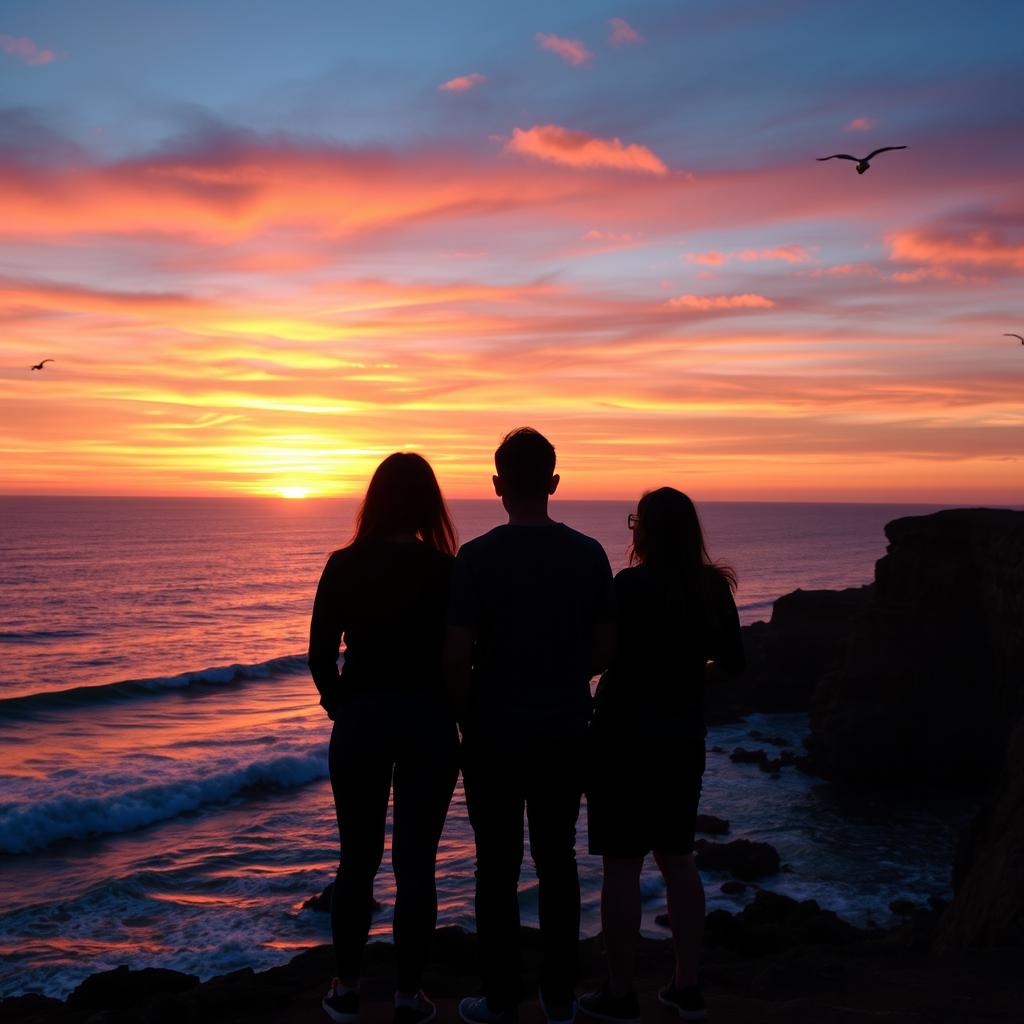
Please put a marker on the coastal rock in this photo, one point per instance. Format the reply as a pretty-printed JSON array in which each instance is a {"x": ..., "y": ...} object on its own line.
[
  {"x": 772, "y": 922},
  {"x": 807, "y": 636},
  {"x": 743, "y": 756},
  {"x": 732, "y": 888},
  {"x": 743, "y": 858},
  {"x": 123, "y": 988},
  {"x": 322, "y": 902},
  {"x": 988, "y": 908},
  {"x": 711, "y": 825},
  {"x": 933, "y": 681}
]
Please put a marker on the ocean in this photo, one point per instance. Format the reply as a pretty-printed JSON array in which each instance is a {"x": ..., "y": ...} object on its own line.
[{"x": 163, "y": 760}]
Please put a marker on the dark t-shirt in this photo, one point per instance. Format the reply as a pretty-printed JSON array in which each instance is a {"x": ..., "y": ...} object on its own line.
[
  {"x": 667, "y": 629},
  {"x": 388, "y": 599},
  {"x": 534, "y": 598}
]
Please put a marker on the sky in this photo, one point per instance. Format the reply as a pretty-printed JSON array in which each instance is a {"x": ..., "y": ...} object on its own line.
[{"x": 267, "y": 244}]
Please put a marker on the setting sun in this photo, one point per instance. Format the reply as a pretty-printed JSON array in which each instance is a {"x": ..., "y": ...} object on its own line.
[{"x": 294, "y": 492}]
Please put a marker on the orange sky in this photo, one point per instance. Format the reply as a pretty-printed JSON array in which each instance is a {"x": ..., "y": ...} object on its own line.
[{"x": 236, "y": 311}]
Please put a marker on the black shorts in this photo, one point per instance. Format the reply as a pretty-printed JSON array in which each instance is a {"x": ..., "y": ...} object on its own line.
[{"x": 642, "y": 794}]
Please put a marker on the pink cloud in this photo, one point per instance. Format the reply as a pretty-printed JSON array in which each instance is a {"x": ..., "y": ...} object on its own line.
[
  {"x": 623, "y": 33},
  {"x": 707, "y": 302},
  {"x": 608, "y": 236},
  {"x": 25, "y": 50},
  {"x": 788, "y": 253},
  {"x": 572, "y": 51},
  {"x": 708, "y": 259},
  {"x": 861, "y": 124},
  {"x": 847, "y": 270},
  {"x": 578, "y": 149},
  {"x": 976, "y": 247},
  {"x": 463, "y": 83}
]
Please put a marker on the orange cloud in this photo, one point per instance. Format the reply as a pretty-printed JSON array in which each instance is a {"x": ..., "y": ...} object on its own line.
[
  {"x": 25, "y": 50},
  {"x": 623, "y": 33},
  {"x": 706, "y": 302},
  {"x": 980, "y": 247},
  {"x": 579, "y": 149},
  {"x": 787, "y": 253},
  {"x": 708, "y": 259},
  {"x": 572, "y": 51},
  {"x": 463, "y": 83},
  {"x": 860, "y": 124},
  {"x": 608, "y": 236}
]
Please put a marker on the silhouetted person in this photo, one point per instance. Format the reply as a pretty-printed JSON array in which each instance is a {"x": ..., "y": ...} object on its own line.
[
  {"x": 386, "y": 593},
  {"x": 675, "y": 613},
  {"x": 530, "y": 619}
]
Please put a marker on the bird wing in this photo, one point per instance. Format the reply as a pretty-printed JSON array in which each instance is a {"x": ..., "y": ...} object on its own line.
[
  {"x": 46, "y": 361},
  {"x": 839, "y": 156},
  {"x": 884, "y": 149},
  {"x": 1014, "y": 336}
]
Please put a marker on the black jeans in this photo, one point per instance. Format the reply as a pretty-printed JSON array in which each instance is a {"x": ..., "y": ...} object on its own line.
[
  {"x": 408, "y": 740},
  {"x": 545, "y": 780}
]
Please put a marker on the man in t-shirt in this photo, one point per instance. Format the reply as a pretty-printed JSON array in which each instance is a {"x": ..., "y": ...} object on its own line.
[{"x": 530, "y": 622}]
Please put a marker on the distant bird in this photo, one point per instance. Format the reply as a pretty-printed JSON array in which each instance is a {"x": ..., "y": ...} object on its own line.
[
  {"x": 863, "y": 163},
  {"x": 1014, "y": 336},
  {"x": 39, "y": 366}
]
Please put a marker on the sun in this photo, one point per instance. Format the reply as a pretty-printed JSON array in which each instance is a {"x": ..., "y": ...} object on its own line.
[{"x": 294, "y": 492}]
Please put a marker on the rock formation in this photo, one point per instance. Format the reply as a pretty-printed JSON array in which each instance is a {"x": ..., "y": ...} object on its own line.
[{"x": 933, "y": 681}]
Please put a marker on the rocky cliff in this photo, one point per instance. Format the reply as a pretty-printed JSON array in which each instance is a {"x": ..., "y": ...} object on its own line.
[{"x": 933, "y": 680}]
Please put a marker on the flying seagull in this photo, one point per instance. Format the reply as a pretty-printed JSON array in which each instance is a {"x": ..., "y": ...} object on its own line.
[
  {"x": 39, "y": 366},
  {"x": 863, "y": 163},
  {"x": 1014, "y": 336}
]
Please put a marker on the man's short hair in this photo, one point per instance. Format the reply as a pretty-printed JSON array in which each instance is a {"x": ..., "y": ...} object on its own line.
[{"x": 525, "y": 461}]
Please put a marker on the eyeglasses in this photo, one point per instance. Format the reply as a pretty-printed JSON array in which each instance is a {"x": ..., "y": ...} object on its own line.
[{"x": 631, "y": 520}]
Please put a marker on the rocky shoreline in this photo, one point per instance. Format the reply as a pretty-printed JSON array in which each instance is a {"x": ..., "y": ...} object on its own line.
[
  {"x": 917, "y": 678},
  {"x": 776, "y": 961}
]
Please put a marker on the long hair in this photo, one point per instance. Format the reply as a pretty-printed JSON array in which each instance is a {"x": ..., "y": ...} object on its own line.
[
  {"x": 404, "y": 497},
  {"x": 668, "y": 535}
]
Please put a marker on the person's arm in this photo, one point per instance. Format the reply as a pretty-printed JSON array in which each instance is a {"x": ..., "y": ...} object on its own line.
[
  {"x": 458, "y": 668},
  {"x": 727, "y": 651},
  {"x": 325, "y": 629},
  {"x": 463, "y": 615},
  {"x": 604, "y": 625}
]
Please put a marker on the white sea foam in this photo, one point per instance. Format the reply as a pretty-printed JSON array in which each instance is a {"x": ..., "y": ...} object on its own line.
[{"x": 35, "y": 824}]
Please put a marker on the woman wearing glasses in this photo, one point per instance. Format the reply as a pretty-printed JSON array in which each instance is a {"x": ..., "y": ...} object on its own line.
[{"x": 676, "y": 615}]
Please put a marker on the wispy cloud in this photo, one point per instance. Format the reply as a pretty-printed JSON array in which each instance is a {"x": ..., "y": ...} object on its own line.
[
  {"x": 579, "y": 149},
  {"x": 861, "y": 124},
  {"x": 785, "y": 253},
  {"x": 463, "y": 83},
  {"x": 708, "y": 302},
  {"x": 22, "y": 48},
  {"x": 622, "y": 33},
  {"x": 572, "y": 51}
]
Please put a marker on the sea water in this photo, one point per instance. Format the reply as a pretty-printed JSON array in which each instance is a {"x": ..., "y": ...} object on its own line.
[{"x": 163, "y": 759}]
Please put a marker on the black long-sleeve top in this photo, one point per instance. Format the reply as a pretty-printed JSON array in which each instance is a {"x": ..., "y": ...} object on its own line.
[
  {"x": 668, "y": 628},
  {"x": 388, "y": 600}
]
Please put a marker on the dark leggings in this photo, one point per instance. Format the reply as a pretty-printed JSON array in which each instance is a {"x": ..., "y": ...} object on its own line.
[{"x": 407, "y": 741}]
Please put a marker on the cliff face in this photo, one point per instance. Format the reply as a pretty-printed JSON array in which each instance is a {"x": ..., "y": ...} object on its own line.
[
  {"x": 989, "y": 878},
  {"x": 933, "y": 680}
]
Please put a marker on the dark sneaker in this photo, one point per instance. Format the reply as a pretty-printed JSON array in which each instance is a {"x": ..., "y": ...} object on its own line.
[
  {"x": 417, "y": 1013},
  {"x": 687, "y": 1002},
  {"x": 604, "y": 1006},
  {"x": 558, "y": 1011},
  {"x": 474, "y": 1010},
  {"x": 341, "y": 1006}
]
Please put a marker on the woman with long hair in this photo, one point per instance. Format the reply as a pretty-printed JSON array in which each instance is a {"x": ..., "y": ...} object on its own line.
[
  {"x": 386, "y": 594},
  {"x": 675, "y": 616}
]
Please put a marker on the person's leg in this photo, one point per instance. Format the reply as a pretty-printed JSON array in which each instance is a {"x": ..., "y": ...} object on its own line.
[
  {"x": 553, "y": 807},
  {"x": 495, "y": 801},
  {"x": 685, "y": 912},
  {"x": 620, "y": 919},
  {"x": 361, "y": 780},
  {"x": 426, "y": 769}
]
